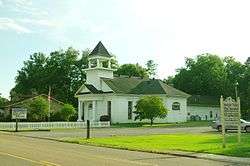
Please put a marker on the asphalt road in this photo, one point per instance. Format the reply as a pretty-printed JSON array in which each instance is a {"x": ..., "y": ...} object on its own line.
[
  {"x": 18, "y": 151},
  {"x": 107, "y": 132}
]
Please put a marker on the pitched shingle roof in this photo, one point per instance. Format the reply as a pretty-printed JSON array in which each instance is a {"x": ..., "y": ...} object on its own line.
[
  {"x": 100, "y": 50},
  {"x": 121, "y": 84},
  {"x": 92, "y": 90},
  {"x": 142, "y": 86},
  {"x": 32, "y": 98}
]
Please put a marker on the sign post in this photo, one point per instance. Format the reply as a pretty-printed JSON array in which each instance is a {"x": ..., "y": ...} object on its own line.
[
  {"x": 223, "y": 122},
  {"x": 230, "y": 116},
  {"x": 19, "y": 113},
  {"x": 88, "y": 129},
  {"x": 239, "y": 123}
]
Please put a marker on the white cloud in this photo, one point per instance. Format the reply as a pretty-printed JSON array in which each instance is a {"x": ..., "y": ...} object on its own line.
[
  {"x": 10, "y": 24},
  {"x": 25, "y": 7},
  {"x": 23, "y": 2},
  {"x": 39, "y": 22},
  {"x": 175, "y": 29}
]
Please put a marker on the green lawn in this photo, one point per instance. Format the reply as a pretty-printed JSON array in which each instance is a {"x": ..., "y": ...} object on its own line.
[
  {"x": 169, "y": 125},
  {"x": 204, "y": 143}
]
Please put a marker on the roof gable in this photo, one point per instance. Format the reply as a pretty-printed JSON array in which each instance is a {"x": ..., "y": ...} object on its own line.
[
  {"x": 100, "y": 50},
  {"x": 89, "y": 89},
  {"x": 83, "y": 90}
]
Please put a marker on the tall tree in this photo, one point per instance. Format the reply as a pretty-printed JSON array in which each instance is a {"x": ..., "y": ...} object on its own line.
[
  {"x": 245, "y": 87},
  {"x": 151, "y": 68},
  {"x": 31, "y": 78},
  {"x": 3, "y": 101},
  {"x": 204, "y": 75},
  {"x": 169, "y": 80},
  {"x": 208, "y": 74},
  {"x": 132, "y": 70},
  {"x": 235, "y": 73},
  {"x": 62, "y": 70}
]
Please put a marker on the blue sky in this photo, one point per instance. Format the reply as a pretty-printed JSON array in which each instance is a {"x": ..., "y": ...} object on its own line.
[{"x": 134, "y": 30}]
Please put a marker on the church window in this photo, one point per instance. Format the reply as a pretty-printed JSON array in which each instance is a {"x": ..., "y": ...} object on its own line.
[{"x": 176, "y": 106}]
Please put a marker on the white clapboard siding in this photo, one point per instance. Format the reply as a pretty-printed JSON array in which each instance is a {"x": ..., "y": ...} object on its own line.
[{"x": 50, "y": 125}]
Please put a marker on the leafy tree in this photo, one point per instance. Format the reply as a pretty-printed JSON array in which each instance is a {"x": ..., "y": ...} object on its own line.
[
  {"x": 150, "y": 107},
  {"x": 38, "y": 109},
  {"x": 132, "y": 70},
  {"x": 235, "y": 72},
  {"x": 62, "y": 70},
  {"x": 204, "y": 75},
  {"x": 3, "y": 101},
  {"x": 30, "y": 78},
  {"x": 247, "y": 63},
  {"x": 169, "y": 80},
  {"x": 244, "y": 87},
  {"x": 64, "y": 74},
  {"x": 151, "y": 68},
  {"x": 65, "y": 113},
  {"x": 208, "y": 74}
]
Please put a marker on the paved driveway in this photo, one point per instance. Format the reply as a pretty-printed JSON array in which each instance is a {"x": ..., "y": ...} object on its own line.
[{"x": 108, "y": 132}]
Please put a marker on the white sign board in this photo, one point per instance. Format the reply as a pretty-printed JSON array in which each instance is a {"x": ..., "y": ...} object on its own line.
[
  {"x": 231, "y": 113},
  {"x": 19, "y": 113},
  {"x": 230, "y": 116}
]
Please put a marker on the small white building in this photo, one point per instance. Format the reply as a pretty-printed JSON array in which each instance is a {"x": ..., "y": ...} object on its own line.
[
  {"x": 104, "y": 94},
  {"x": 203, "y": 108}
]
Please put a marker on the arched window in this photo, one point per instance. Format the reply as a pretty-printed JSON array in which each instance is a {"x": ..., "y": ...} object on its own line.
[{"x": 176, "y": 106}]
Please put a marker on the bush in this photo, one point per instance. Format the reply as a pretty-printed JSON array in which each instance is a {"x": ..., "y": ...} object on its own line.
[
  {"x": 104, "y": 118},
  {"x": 38, "y": 109},
  {"x": 65, "y": 114}
]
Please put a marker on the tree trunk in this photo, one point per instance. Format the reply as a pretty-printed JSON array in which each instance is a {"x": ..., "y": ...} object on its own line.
[{"x": 151, "y": 122}]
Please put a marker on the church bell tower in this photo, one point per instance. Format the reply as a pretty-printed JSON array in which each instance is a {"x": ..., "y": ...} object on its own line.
[{"x": 99, "y": 66}]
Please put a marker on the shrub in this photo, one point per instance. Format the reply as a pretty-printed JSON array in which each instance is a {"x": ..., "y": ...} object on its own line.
[
  {"x": 65, "y": 114},
  {"x": 38, "y": 109},
  {"x": 104, "y": 118}
]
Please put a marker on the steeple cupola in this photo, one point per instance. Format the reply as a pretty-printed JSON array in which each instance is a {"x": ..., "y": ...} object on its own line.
[
  {"x": 99, "y": 66},
  {"x": 100, "y": 57}
]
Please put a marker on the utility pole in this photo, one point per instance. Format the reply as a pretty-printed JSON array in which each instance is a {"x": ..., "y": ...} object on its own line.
[
  {"x": 49, "y": 103},
  {"x": 236, "y": 90}
]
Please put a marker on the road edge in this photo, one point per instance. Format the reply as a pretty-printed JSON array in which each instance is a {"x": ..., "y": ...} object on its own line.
[{"x": 206, "y": 156}]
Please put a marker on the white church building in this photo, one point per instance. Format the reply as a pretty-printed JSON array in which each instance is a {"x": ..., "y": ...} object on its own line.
[{"x": 103, "y": 94}]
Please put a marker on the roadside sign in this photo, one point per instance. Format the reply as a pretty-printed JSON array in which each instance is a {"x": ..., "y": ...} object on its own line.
[
  {"x": 230, "y": 116},
  {"x": 19, "y": 113},
  {"x": 231, "y": 113}
]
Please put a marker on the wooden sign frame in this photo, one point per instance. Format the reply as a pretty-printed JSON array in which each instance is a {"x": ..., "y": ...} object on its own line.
[{"x": 230, "y": 114}]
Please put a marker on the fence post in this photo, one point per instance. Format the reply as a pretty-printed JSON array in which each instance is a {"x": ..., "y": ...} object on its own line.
[
  {"x": 16, "y": 125},
  {"x": 88, "y": 129}
]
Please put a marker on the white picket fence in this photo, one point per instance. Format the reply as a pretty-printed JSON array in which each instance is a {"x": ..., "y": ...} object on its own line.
[{"x": 50, "y": 125}]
